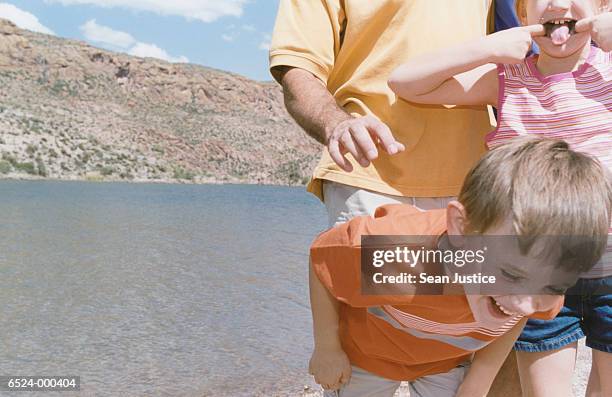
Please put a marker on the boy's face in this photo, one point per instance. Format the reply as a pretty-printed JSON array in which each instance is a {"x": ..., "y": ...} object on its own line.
[
  {"x": 524, "y": 284},
  {"x": 559, "y": 18}
]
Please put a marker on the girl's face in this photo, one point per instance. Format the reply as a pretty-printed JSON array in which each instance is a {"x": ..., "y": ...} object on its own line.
[{"x": 559, "y": 17}]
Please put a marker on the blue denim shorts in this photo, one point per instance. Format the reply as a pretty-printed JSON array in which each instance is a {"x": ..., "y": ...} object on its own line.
[{"x": 587, "y": 312}]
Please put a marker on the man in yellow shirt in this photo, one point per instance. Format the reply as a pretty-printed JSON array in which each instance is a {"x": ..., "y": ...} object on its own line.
[{"x": 333, "y": 58}]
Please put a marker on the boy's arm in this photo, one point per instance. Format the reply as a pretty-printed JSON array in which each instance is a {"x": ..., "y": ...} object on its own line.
[
  {"x": 335, "y": 276},
  {"x": 487, "y": 363},
  {"x": 465, "y": 74},
  {"x": 329, "y": 364}
]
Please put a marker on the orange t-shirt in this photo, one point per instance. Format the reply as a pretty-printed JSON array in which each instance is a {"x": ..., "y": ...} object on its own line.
[{"x": 400, "y": 337}]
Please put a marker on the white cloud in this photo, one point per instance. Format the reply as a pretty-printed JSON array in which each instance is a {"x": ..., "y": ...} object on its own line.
[
  {"x": 125, "y": 41},
  {"x": 228, "y": 37},
  {"x": 203, "y": 10},
  {"x": 103, "y": 34},
  {"x": 23, "y": 19},
  {"x": 266, "y": 43},
  {"x": 249, "y": 28},
  {"x": 117, "y": 39},
  {"x": 152, "y": 51},
  {"x": 231, "y": 33}
]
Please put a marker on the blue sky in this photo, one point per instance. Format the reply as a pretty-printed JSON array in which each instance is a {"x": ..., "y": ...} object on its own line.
[{"x": 231, "y": 35}]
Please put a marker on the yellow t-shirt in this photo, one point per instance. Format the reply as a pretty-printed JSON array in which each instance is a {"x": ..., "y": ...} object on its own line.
[{"x": 353, "y": 46}]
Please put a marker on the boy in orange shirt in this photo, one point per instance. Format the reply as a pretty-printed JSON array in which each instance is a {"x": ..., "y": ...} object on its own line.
[{"x": 452, "y": 339}]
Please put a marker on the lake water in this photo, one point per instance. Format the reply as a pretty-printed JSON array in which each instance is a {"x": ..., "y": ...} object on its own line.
[{"x": 154, "y": 289}]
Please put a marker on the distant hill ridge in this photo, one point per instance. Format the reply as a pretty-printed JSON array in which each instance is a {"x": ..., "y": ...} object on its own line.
[{"x": 72, "y": 111}]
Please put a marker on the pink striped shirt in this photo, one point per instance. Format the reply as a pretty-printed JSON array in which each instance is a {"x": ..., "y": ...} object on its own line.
[{"x": 574, "y": 106}]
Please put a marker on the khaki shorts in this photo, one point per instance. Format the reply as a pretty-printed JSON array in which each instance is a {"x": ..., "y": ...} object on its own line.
[
  {"x": 344, "y": 202},
  {"x": 365, "y": 384}
]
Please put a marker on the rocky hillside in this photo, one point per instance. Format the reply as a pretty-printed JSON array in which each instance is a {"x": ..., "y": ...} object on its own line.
[{"x": 72, "y": 111}]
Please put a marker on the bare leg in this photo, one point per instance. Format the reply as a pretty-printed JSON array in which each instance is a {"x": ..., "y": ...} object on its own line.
[
  {"x": 593, "y": 387},
  {"x": 548, "y": 374},
  {"x": 600, "y": 383},
  {"x": 507, "y": 382}
]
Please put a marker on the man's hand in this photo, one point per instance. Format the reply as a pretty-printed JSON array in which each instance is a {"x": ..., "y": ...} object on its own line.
[
  {"x": 512, "y": 45},
  {"x": 316, "y": 110},
  {"x": 330, "y": 368},
  {"x": 600, "y": 27},
  {"x": 359, "y": 136}
]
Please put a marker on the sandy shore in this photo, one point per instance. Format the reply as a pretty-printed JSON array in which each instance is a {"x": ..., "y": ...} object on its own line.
[{"x": 581, "y": 376}]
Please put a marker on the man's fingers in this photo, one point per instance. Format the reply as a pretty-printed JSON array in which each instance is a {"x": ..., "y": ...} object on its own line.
[
  {"x": 584, "y": 25},
  {"x": 384, "y": 134},
  {"x": 535, "y": 30},
  {"x": 334, "y": 151},
  {"x": 347, "y": 141},
  {"x": 359, "y": 140},
  {"x": 364, "y": 141}
]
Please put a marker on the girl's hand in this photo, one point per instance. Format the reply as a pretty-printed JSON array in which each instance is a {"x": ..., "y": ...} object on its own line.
[
  {"x": 330, "y": 367},
  {"x": 600, "y": 27},
  {"x": 511, "y": 46}
]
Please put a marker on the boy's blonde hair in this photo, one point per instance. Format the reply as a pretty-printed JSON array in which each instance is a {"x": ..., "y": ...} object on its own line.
[{"x": 548, "y": 190}]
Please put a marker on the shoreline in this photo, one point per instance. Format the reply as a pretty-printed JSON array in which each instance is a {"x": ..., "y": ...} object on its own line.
[{"x": 166, "y": 181}]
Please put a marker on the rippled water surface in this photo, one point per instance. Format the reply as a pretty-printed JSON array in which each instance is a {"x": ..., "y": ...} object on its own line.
[{"x": 145, "y": 289}]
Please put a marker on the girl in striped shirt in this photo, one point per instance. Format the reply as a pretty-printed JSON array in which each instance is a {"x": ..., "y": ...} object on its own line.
[{"x": 564, "y": 92}]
